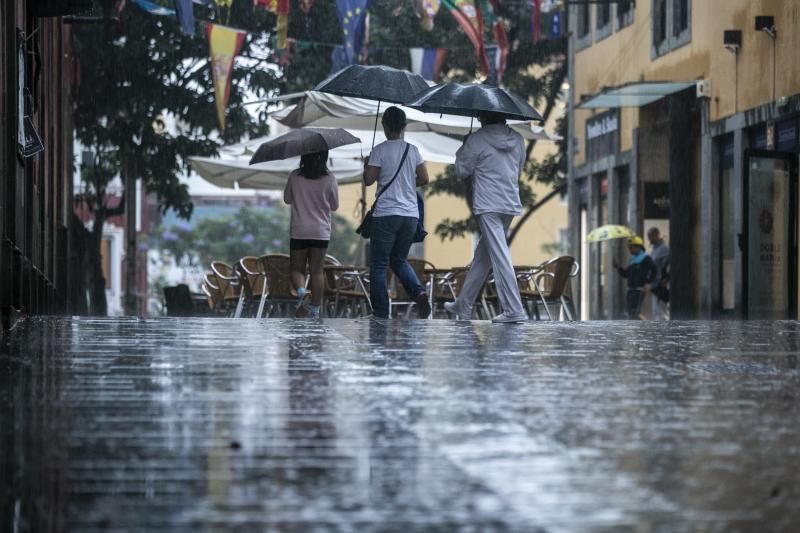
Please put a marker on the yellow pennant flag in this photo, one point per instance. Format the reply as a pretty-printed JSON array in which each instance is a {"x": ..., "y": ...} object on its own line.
[{"x": 224, "y": 44}]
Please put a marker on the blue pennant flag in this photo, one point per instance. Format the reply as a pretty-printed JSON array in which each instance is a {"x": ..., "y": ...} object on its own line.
[
  {"x": 155, "y": 9},
  {"x": 185, "y": 16},
  {"x": 352, "y": 14}
]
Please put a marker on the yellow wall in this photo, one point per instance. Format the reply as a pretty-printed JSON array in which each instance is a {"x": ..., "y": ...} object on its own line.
[
  {"x": 625, "y": 56},
  {"x": 540, "y": 229}
]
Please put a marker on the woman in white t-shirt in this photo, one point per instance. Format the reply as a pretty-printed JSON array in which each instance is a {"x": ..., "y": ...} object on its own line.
[
  {"x": 395, "y": 214},
  {"x": 313, "y": 194}
]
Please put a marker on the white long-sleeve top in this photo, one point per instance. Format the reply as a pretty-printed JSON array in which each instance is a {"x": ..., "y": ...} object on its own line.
[{"x": 494, "y": 156}]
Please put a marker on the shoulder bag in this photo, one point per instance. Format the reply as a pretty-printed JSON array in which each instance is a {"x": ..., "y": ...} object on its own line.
[{"x": 365, "y": 228}]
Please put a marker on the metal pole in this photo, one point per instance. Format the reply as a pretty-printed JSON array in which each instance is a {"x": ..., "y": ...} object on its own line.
[{"x": 131, "y": 300}]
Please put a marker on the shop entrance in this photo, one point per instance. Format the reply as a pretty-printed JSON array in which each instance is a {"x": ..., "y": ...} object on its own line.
[{"x": 770, "y": 235}]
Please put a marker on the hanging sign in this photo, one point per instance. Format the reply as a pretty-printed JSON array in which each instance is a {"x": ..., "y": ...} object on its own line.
[{"x": 602, "y": 135}]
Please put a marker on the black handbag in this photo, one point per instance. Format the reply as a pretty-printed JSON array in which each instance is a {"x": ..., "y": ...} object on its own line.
[{"x": 365, "y": 228}]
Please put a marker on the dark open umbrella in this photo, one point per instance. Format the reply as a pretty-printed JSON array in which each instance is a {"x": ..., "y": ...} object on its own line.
[
  {"x": 374, "y": 82},
  {"x": 468, "y": 99},
  {"x": 302, "y": 141}
]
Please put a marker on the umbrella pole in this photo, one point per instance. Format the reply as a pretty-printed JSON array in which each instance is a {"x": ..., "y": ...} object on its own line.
[
  {"x": 470, "y": 123},
  {"x": 375, "y": 128}
]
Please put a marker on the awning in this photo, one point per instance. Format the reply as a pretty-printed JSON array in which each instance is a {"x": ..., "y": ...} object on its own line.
[{"x": 634, "y": 94}]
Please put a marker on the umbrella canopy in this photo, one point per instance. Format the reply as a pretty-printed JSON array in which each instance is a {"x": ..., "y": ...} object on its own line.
[
  {"x": 236, "y": 172},
  {"x": 303, "y": 141},
  {"x": 468, "y": 99},
  {"x": 609, "y": 232},
  {"x": 328, "y": 110},
  {"x": 374, "y": 82}
]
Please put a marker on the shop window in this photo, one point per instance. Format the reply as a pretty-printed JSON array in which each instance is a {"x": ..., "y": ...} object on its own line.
[
  {"x": 624, "y": 14},
  {"x": 583, "y": 25},
  {"x": 671, "y": 25},
  {"x": 602, "y": 17}
]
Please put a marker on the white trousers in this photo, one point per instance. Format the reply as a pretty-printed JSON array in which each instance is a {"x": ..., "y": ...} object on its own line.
[{"x": 492, "y": 255}]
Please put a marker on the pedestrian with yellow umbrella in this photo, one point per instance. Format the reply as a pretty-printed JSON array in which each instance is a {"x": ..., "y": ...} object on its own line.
[
  {"x": 641, "y": 270},
  {"x": 640, "y": 273}
]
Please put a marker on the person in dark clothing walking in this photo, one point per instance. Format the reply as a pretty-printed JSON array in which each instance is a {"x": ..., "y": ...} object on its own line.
[{"x": 640, "y": 273}]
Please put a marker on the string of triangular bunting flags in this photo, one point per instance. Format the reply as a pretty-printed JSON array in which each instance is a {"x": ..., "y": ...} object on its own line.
[{"x": 471, "y": 16}]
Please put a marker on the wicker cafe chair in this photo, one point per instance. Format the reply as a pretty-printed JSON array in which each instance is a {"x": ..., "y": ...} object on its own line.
[
  {"x": 550, "y": 286},
  {"x": 281, "y": 293},
  {"x": 254, "y": 292},
  {"x": 346, "y": 291},
  {"x": 211, "y": 290},
  {"x": 227, "y": 282}
]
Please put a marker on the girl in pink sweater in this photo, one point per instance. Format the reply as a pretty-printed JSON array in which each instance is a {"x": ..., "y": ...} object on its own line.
[{"x": 313, "y": 194}]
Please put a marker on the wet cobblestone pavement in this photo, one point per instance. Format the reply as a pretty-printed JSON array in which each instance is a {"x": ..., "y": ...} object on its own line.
[{"x": 278, "y": 425}]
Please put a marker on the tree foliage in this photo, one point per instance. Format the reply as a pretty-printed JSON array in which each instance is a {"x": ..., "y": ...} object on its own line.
[
  {"x": 250, "y": 231},
  {"x": 145, "y": 103}
]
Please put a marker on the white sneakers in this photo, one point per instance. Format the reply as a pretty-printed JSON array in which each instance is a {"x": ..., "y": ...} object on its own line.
[
  {"x": 503, "y": 318},
  {"x": 457, "y": 313}
]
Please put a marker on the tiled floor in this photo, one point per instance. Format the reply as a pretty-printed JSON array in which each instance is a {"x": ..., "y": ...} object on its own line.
[{"x": 359, "y": 425}]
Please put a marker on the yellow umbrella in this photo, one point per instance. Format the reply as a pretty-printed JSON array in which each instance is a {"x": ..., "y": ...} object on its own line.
[{"x": 609, "y": 232}]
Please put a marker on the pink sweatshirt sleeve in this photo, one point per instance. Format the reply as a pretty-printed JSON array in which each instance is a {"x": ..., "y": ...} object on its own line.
[{"x": 334, "y": 193}]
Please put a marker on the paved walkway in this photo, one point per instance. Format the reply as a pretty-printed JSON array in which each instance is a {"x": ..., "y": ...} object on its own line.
[{"x": 353, "y": 425}]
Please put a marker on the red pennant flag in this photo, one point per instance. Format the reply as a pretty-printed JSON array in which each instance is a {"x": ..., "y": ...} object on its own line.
[
  {"x": 224, "y": 44},
  {"x": 501, "y": 39},
  {"x": 470, "y": 20}
]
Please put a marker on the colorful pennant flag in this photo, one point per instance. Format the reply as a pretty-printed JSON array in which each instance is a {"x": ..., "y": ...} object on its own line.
[
  {"x": 536, "y": 20},
  {"x": 428, "y": 10},
  {"x": 352, "y": 15},
  {"x": 185, "y": 16},
  {"x": 280, "y": 8},
  {"x": 501, "y": 40},
  {"x": 155, "y": 9},
  {"x": 224, "y": 44},
  {"x": 547, "y": 20},
  {"x": 469, "y": 18},
  {"x": 427, "y": 62}
]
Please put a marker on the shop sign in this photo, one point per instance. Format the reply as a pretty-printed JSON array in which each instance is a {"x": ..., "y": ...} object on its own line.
[
  {"x": 656, "y": 201},
  {"x": 602, "y": 135}
]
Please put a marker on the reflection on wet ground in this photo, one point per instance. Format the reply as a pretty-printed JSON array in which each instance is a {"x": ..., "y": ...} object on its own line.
[{"x": 278, "y": 425}]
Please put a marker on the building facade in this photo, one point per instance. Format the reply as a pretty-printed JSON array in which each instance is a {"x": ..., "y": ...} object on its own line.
[
  {"x": 684, "y": 116},
  {"x": 38, "y": 71}
]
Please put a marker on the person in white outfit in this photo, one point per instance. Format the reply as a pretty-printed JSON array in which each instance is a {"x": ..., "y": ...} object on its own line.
[{"x": 493, "y": 158}]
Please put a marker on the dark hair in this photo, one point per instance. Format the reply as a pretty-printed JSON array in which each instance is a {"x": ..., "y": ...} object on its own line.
[
  {"x": 312, "y": 166},
  {"x": 489, "y": 117},
  {"x": 394, "y": 119}
]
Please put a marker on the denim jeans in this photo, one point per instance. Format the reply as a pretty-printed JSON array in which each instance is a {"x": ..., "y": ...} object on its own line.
[{"x": 391, "y": 239}]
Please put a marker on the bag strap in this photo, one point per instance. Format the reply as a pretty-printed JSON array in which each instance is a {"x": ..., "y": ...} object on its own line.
[{"x": 397, "y": 173}]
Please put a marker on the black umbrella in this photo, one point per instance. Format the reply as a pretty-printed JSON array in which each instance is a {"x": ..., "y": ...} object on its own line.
[
  {"x": 303, "y": 141},
  {"x": 374, "y": 82},
  {"x": 469, "y": 99}
]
